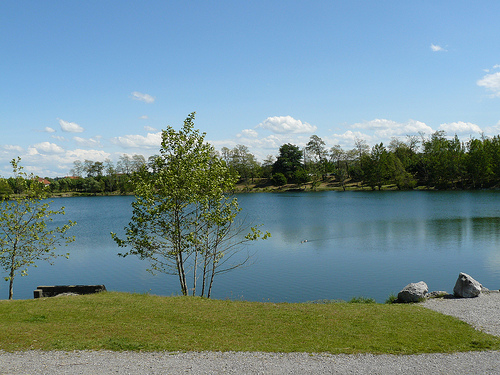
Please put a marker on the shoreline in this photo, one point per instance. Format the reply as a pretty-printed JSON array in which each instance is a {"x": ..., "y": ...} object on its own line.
[{"x": 471, "y": 310}]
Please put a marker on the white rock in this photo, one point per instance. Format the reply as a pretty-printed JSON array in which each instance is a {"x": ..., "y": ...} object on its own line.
[
  {"x": 413, "y": 292},
  {"x": 466, "y": 286}
]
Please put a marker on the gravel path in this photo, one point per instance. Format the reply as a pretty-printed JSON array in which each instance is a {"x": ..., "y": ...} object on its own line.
[
  {"x": 482, "y": 312},
  {"x": 104, "y": 362}
]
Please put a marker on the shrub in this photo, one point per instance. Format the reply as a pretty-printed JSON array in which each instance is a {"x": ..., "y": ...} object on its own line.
[
  {"x": 279, "y": 179},
  {"x": 392, "y": 298},
  {"x": 362, "y": 299}
]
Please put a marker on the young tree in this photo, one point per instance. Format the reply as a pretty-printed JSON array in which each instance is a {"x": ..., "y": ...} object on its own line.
[
  {"x": 124, "y": 164},
  {"x": 138, "y": 161},
  {"x": 25, "y": 236},
  {"x": 267, "y": 166},
  {"x": 340, "y": 159},
  {"x": 78, "y": 169},
  {"x": 183, "y": 219},
  {"x": 361, "y": 147}
]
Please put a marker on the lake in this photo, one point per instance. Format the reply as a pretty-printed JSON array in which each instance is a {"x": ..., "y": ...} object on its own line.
[{"x": 367, "y": 244}]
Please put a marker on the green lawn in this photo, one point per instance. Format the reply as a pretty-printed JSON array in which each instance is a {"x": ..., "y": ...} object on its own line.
[{"x": 122, "y": 321}]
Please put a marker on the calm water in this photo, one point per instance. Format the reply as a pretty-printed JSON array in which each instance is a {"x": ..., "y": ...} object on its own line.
[{"x": 358, "y": 244}]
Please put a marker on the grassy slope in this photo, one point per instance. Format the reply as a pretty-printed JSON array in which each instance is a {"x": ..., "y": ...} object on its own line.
[
  {"x": 122, "y": 321},
  {"x": 262, "y": 185}
]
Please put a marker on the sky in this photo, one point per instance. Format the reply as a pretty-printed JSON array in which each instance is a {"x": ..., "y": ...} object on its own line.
[{"x": 99, "y": 79}]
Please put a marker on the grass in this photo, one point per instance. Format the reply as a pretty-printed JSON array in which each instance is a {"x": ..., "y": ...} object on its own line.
[{"x": 122, "y": 321}]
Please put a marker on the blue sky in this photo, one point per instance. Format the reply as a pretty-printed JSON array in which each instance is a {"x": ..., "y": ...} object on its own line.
[{"x": 99, "y": 79}]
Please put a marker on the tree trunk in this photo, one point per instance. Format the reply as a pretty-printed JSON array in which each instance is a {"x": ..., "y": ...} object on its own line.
[
  {"x": 194, "y": 272},
  {"x": 205, "y": 270},
  {"x": 212, "y": 275},
  {"x": 182, "y": 275},
  {"x": 11, "y": 284}
]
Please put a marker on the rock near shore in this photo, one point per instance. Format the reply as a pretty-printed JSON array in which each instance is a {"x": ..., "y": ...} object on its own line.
[
  {"x": 413, "y": 292},
  {"x": 467, "y": 287}
]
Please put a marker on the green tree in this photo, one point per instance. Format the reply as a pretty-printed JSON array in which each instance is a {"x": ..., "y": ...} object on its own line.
[
  {"x": 479, "y": 165},
  {"x": 54, "y": 186},
  {"x": 300, "y": 177},
  {"x": 183, "y": 220},
  {"x": 93, "y": 186},
  {"x": 110, "y": 180},
  {"x": 242, "y": 162},
  {"x": 267, "y": 166},
  {"x": 93, "y": 169},
  {"x": 124, "y": 164},
  {"x": 26, "y": 235},
  {"x": 340, "y": 160},
  {"x": 317, "y": 161},
  {"x": 288, "y": 161},
  {"x": 406, "y": 152},
  {"x": 436, "y": 160},
  {"x": 374, "y": 166},
  {"x": 64, "y": 184},
  {"x": 397, "y": 174},
  {"x": 492, "y": 145},
  {"x": 279, "y": 179},
  {"x": 361, "y": 148},
  {"x": 78, "y": 169},
  {"x": 5, "y": 189}
]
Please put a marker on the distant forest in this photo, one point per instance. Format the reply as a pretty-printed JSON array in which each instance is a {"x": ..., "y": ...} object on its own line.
[{"x": 434, "y": 162}]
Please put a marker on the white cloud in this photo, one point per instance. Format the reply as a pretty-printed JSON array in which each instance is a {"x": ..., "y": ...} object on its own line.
[
  {"x": 142, "y": 97},
  {"x": 70, "y": 127},
  {"x": 32, "y": 151},
  {"x": 48, "y": 129},
  {"x": 88, "y": 142},
  {"x": 46, "y": 148},
  {"x": 286, "y": 124},
  {"x": 150, "y": 129},
  {"x": 348, "y": 138},
  {"x": 493, "y": 130},
  {"x": 383, "y": 128},
  {"x": 491, "y": 82},
  {"x": 12, "y": 148},
  {"x": 59, "y": 138},
  {"x": 493, "y": 68},
  {"x": 79, "y": 154},
  {"x": 436, "y": 48},
  {"x": 460, "y": 127},
  {"x": 139, "y": 141},
  {"x": 248, "y": 133},
  {"x": 144, "y": 117}
]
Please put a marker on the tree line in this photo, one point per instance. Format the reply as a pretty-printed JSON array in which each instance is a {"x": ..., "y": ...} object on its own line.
[
  {"x": 88, "y": 177},
  {"x": 433, "y": 162}
]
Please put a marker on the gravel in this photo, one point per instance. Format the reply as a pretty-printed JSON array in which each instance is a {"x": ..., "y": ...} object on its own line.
[
  {"x": 104, "y": 362},
  {"x": 482, "y": 312}
]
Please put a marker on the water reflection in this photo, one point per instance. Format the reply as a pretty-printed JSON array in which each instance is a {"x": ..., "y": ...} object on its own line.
[{"x": 358, "y": 243}]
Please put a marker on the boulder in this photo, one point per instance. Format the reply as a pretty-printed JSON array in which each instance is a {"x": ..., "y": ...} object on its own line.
[
  {"x": 413, "y": 292},
  {"x": 466, "y": 286}
]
